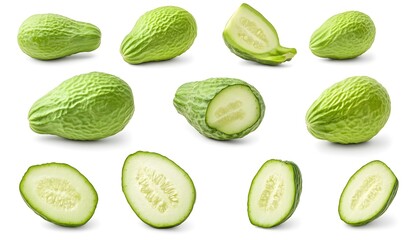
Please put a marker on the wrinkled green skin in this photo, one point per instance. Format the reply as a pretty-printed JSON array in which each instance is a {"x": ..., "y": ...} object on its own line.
[
  {"x": 160, "y": 34},
  {"x": 54, "y": 219},
  {"x": 52, "y": 36},
  {"x": 276, "y": 56},
  {"x": 343, "y": 36},
  {"x": 298, "y": 191},
  {"x": 192, "y": 100},
  {"x": 90, "y": 106},
  {"x": 351, "y": 111},
  {"x": 391, "y": 197}
]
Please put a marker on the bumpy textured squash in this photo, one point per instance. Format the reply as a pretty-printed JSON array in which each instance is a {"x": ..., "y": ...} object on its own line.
[
  {"x": 351, "y": 111},
  {"x": 160, "y": 34},
  {"x": 220, "y": 108},
  {"x": 85, "y": 107},
  {"x": 343, "y": 36},
  {"x": 52, "y": 36}
]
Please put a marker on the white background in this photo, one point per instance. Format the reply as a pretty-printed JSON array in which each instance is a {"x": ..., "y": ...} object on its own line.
[{"x": 222, "y": 171}]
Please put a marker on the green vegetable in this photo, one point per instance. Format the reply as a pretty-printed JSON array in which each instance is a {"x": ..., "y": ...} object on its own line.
[
  {"x": 274, "y": 193},
  {"x": 59, "y": 193},
  {"x": 160, "y": 34},
  {"x": 368, "y": 194},
  {"x": 220, "y": 108},
  {"x": 343, "y": 36},
  {"x": 52, "y": 36},
  {"x": 249, "y": 35},
  {"x": 85, "y": 107},
  {"x": 159, "y": 191},
  {"x": 351, "y": 111}
]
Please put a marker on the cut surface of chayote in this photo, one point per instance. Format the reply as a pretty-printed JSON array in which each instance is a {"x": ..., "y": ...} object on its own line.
[
  {"x": 220, "y": 108},
  {"x": 249, "y": 35}
]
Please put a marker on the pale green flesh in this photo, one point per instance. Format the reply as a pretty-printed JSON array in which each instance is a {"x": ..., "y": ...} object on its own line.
[
  {"x": 59, "y": 193},
  {"x": 159, "y": 191},
  {"x": 249, "y": 35},
  {"x": 367, "y": 194},
  {"x": 272, "y": 194},
  {"x": 233, "y": 110},
  {"x": 250, "y": 31}
]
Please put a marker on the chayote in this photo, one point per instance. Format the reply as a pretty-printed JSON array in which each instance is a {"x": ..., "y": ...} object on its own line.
[{"x": 343, "y": 36}]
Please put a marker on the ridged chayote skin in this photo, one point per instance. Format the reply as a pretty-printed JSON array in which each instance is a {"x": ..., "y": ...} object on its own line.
[
  {"x": 351, "y": 111},
  {"x": 193, "y": 98},
  {"x": 160, "y": 34},
  {"x": 51, "y": 36},
  {"x": 89, "y": 106},
  {"x": 343, "y": 36}
]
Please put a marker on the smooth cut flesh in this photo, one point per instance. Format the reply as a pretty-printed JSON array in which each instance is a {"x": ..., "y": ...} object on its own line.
[
  {"x": 59, "y": 193},
  {"x": 251, "y": 31},
  {"x": 274, "y": 193},
  {"x": 368, "y": 193},
  {"x": 233, "y": 110},
  {"x": 157, "y": 189}
]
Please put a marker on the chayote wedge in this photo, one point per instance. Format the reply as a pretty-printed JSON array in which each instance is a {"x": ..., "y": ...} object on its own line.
[{"x": 249, "y": 35}]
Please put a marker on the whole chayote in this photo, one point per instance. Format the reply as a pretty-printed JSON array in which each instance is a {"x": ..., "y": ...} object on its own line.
[
  {"x": 343, "y": 36},
  {"x": 159, "y": 34},
  {"x": 351, "y": 111},
  {"x": 51, "y": 36},
  {"x": 88, "y": 106}
]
